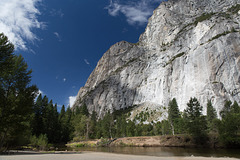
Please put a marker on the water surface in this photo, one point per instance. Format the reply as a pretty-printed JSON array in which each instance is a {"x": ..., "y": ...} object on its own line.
[{"x": 168, "y": 151}]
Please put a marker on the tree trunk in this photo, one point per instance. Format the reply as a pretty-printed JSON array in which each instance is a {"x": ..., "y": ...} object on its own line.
[
  {"x": 87, "y": 130},
  {"x": 172, "y": 129}
]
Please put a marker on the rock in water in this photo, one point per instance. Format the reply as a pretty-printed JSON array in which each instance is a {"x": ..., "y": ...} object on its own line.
[{"x": 190, "y": 48}]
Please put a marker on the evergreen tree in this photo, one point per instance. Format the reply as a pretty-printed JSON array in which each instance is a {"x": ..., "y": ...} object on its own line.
[
  {"x": 165, "y": 127},
  {"x": 211, "y": 116},
  {"x": 62, "y": 113},
  {"x": 226, "y": 109},
  {"x": 37, "y": 122},
  {"x": 108, "y": 125},
  {"x": 130, "y": 129},
  {"x": 80, "y": 126},
  {"x": 84, "y": 110},
  {"x": 16, "y": 94},
  {"x": 229, "y": 126},
  {"x": 66, "y": 125},
  {"x": 196, "y": 123},
  {"x": 173, "y": 114},
  {"x": 235, "y": 108},
  {"x": 77, "y": 110},
  {"x": 93, "y": 123},
  {"x": 123, "y": 125}
]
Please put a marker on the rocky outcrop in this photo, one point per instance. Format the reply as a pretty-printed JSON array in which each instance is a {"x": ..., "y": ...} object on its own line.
[{"x": 190, "y": 48}]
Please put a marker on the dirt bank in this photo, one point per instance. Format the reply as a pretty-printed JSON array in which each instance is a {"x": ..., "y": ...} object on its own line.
[{"x": 155, "y": 141}]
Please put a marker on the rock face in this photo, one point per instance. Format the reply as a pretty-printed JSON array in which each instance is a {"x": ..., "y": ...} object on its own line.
[{"x": 190, "y": 48}]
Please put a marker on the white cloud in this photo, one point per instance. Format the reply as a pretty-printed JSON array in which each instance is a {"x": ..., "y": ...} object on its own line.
[
  {"x": 86, "y": 61},
  {"x": 57, "y": 36},
  {"x": 39, "y": 92},
  {"x": 72, "y": 99},
  {"x": 136, "y": 12},
  {"x": 17, "y": 20},
  {"x": 64, "y": 79}
]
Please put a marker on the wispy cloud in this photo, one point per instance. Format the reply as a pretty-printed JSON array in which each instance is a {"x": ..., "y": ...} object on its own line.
[
  {"x": 72, "y": 100},
  {"x": 39, "y": 92},
  {"x": 64, "y": 79},
  {"x": 57, "y": 36},
  {"x": 55, "y": 12},
  {"x": 136, "y": 12},
  {"x": 86, "y": 61},
  {"x": 18, "y": 18}
]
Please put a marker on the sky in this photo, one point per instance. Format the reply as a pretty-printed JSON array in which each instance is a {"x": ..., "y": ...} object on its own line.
[{"x": 62, "y": 40}]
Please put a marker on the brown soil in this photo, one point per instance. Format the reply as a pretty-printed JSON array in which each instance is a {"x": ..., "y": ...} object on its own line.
[{"x": 154, "y": 141}]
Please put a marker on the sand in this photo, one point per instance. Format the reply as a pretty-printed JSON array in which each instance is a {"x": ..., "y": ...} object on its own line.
[{"x": 100, "y": 156}]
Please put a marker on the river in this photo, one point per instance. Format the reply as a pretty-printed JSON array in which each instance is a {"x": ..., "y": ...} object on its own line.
[{"x": 168, "y": 151}]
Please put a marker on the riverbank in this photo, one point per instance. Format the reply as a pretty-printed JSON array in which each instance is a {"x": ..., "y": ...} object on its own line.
[
  {"x": 155, "y": 141},
  {"x": 102, "y": 156},
  {"x": 149, "y": 141}
]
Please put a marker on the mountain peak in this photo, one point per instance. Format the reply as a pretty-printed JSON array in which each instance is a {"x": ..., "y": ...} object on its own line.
[{"x": 189, "y": 49}]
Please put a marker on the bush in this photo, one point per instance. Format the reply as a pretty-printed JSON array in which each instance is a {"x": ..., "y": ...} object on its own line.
[
  {"x": 103, "y": 142},
  {"x": 40, "y": 142},
  {"x": 80, "y": 145}
]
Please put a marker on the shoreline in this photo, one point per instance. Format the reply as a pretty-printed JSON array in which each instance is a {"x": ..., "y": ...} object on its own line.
[
  {"x": 185, "y": 141},
  {"x": 88, "y": 155}
]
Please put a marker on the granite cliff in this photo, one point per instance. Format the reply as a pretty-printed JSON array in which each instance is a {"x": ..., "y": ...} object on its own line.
[{"x": 190, "y": 48}]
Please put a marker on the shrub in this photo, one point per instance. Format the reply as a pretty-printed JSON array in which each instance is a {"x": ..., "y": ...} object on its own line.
[{"x": 40, "y": 142}]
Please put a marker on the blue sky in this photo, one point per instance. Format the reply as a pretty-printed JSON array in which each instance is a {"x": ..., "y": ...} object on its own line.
[{"x": 62, "y": 40}]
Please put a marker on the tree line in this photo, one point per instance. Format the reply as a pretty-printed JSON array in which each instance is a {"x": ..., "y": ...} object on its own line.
[
  {"x": 22, "y": 119},
  {"x": 191, "y": 121},
  {"x": 25, "y": 119}
]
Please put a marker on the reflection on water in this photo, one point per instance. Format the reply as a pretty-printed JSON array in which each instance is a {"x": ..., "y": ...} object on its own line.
[{"x": 168, "y": 151}]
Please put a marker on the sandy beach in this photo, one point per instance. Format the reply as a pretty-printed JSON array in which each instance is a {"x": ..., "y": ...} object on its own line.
[{"x": 101, "y": 156}]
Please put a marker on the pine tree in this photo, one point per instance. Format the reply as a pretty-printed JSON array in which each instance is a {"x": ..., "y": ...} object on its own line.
[
  {"x": 173, "y": 114},
  {"x": 226, "y": 109},
  {"x": 196, "y": 122},
  {"x": 37, "y": 122},
  {"x": 93, "y": 123},
  {"x": 211, "y": 116},
  {"x": 16, "y": 94},
  {"x": 229, "y": 126},
  {"x": 84, "y": 110},
  {"x": 66, "y": 124}
]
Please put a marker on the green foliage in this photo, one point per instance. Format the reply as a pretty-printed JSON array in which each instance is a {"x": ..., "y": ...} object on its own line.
[
  {"x": 47, "y": 121},
  {"x": 142, "y": 116},
  {"x": 229, "y": 127},
  {"x": 6, "y": 50},
  {"x": 203, "y": 17},
  {"x": 103, "y": 142},
  {"x": 84, "y": 110},
  {"x": 191, "y": 122},
  {"x": 211, "y": 117},
  {"x": 165, "y": 127},
  {"x": 222, "y": 34},
  {"x": 40, "y": 142},
  {"x": 80, "y": 125},
  {"x": 16, "y": 94},
  {"x": 93, "y": 124},
  {"x": 173, "y": 114},
  {"x": 174, "y": 58},
  {"x": 195, "y": 121},
  {"x": 65, "y": 120},
  {"x": 234, "y": 9}
]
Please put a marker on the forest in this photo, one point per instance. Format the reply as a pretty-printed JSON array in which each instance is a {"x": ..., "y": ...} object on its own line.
[{"x": 31, "y": 119}]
